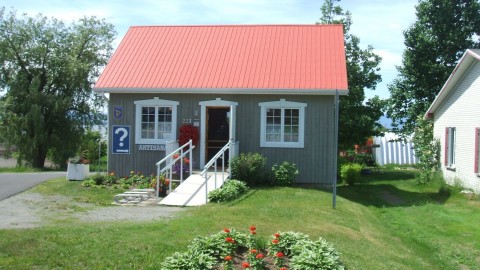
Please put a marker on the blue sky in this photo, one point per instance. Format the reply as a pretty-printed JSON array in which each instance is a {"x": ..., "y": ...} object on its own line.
[{"x": 379, "y": 23}]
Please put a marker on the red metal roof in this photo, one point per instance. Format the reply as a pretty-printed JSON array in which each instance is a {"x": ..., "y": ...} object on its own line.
[{"x": 242, "y": 57}]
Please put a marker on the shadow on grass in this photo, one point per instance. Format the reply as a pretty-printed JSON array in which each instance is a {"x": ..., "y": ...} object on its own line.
[{"x": 382, "y": 190}]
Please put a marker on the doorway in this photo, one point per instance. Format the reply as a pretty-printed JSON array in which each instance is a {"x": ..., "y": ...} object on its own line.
[{"x": 218, "y": 131}]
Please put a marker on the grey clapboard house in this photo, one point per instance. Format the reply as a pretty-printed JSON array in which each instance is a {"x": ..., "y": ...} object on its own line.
[{"x": 271, "y": 88}]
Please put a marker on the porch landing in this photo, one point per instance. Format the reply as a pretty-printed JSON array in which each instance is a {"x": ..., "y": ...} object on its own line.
[{"x": 192, "y": 191}]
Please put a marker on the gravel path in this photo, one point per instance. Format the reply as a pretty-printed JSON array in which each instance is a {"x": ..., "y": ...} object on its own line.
[{"x": 30, "y": 210}]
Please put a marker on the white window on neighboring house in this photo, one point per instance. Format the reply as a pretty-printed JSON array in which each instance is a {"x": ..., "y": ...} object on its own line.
[
  {"x": 477, "y": 150},
  {"x": 450, "y": 138},
  {"x": 282, "y": 124},
  {"x": 155, "y": 121}
]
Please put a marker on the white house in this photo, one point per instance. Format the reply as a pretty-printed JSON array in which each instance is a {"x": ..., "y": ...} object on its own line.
[{"x": 456, "y": 115}]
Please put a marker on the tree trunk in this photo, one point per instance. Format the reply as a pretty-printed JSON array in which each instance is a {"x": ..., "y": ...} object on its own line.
[{"x": 39, "y": 160}]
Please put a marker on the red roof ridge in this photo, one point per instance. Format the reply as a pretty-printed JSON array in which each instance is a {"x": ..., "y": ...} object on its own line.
[{"x": 237, "y": 25}]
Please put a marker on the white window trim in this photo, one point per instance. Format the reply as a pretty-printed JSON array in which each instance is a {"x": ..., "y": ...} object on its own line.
[
  {"x": 452, "y": 138},
  {"x": 155, "y": 102},
  {"x": 282, "y": 104}
]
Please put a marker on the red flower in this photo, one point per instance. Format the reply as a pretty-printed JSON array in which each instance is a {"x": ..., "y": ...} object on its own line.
[
  {"x": 277, "y": 235},
  {"x": 176, "y": 156},
  {"x": 253, "y": 232},
  {"x": 228, "y": 258},
  {"x": 260, "y": 256},
  {"x": 226, "y": 230},
  {"x": 253, "y": 228},
  {"x": 283, "y": 268},
  {"x": 230, "y": 240},
  {"x": 280, "y": 254},
  {"x": 245, "y": 265},
  {"x": 253, "y": 251},
  {"x": 275, "y": 241}
]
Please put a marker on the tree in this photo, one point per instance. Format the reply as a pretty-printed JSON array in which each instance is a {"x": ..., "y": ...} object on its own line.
[
  {"x": 427, "y": 150},
  {"x": 357, "y": 121},
  {"x": 443, "y": 30},
  {"x": 48, "y": 70}
]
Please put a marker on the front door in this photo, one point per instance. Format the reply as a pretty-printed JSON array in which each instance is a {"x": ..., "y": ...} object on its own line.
[{"x": 218, "y": 119}]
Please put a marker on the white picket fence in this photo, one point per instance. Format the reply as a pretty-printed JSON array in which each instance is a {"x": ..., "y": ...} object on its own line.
[{"x": 393, "y": 151}]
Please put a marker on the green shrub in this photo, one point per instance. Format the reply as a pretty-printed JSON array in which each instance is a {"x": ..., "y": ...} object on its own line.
[
  {"x": 191, "y": 259},
  {"x": 350, "y": 173},
  {"x": 230, "y": 191},
  {"x": 285, "y": 174},
  {"x": 309, "y": 255},
  {"x": 88, "y": 183},
  {"x": 211, "y": 252},
  {"x": 249, "y": 168},
  {"x": 99, "y": 179}
]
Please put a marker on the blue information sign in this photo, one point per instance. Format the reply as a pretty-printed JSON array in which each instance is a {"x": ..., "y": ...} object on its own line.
[{"x": 120, "y": 140}]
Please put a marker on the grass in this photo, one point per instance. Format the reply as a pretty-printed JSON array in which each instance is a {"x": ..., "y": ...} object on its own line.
[{"x": 386, "y": 221}]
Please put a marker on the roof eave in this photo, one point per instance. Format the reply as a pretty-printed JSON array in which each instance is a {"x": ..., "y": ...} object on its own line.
[
  {"x": 236, "y": 91},
  {"x": 463, "y": 65}
]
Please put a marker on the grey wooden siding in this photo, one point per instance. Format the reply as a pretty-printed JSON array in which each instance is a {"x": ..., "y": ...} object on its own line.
[{"x": 314, "y": 160}]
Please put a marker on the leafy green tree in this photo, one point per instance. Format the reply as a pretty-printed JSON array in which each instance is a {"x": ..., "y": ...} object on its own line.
[
  {"x": 427, "y": 149},
  {"x": 358, "y": 119},
  {"x": 48, "y": 69},
  {"x": 444, "y": 29}
]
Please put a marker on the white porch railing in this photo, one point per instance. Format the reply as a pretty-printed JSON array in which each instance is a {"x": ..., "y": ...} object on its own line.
[
  {"x": 170, "y": 159},
  {"x": 233, "y": 151}
]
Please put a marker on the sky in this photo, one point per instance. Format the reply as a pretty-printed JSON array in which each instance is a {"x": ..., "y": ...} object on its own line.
[{"x": 379, "y": 23}]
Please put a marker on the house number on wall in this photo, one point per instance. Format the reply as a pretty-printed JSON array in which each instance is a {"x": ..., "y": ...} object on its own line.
[{"x": 151, "y": 147}]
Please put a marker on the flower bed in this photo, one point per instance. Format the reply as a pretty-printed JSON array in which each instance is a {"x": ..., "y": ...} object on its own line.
[{"x": 231, "y": 249}]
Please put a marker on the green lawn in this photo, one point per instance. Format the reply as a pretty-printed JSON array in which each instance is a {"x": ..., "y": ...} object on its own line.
[{"x": 384, "y": 222}]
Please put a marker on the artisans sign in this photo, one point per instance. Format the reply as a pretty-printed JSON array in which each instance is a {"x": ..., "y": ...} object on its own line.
[{"x": 151, "y": 147}]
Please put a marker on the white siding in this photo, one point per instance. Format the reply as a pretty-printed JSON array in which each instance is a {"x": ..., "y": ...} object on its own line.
[
  {"x": 393, "y": 151},
  {"x": 462, "y": 111}
]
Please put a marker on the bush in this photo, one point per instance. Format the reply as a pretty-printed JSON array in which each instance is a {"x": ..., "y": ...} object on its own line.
[
  {"x": 350, "y": 173},
  {"x": 98, "y": 179},
  {"x": 230, "y": 191},
  {"x": 249, "y": 168},
  {"x": 229, "y": 249},
  {"x": 311, "y": 255},
  {"x": 285, "y": 174}
]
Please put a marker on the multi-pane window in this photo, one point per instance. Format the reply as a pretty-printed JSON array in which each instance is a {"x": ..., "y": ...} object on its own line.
[
  {"x": 156, "y": 121},
  {"x": 282, "y": 124}
]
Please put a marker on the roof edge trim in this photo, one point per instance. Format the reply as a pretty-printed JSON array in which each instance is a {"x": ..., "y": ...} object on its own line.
[{"x": 236, "y": 91}]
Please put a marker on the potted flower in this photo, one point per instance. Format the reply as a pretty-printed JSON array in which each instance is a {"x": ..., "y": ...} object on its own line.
[
  {"x": 163, "y": 185},
  {"x": 181, "y": 165},
  {"x": 78, "y": 168}
]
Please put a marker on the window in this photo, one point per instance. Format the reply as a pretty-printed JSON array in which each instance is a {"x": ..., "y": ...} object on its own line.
[
  {"x": 450, "y": 137},
  {"x": 477, "y": 150},
  {"x": 282, "y": 124},
  {"x": 156, "y": 121}
]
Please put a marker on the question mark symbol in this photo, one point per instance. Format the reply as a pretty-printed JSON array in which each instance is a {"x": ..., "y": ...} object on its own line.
[{"x": 125, "y": 133}]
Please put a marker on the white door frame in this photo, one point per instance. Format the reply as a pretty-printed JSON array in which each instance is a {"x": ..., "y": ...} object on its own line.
[{"x": 218, "y": 102}]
